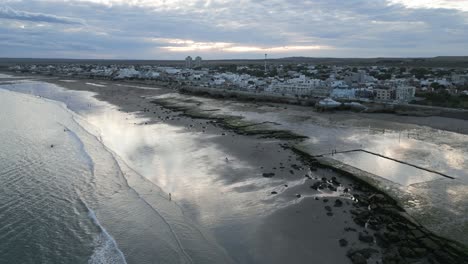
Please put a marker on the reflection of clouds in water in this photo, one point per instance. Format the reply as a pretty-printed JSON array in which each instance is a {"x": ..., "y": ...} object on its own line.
[
  {"x": 421, "y": 146},
  {"x": 180, "y": 162}
]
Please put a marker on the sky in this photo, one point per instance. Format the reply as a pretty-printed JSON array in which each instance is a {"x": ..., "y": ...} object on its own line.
[{"x": 232, "y": 29}]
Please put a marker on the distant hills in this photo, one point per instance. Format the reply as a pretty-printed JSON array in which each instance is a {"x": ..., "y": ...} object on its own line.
[{"x": 440, "y": 61}]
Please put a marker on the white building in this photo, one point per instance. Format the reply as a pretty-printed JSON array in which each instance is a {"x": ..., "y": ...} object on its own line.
[
  {"x": 343, "y": 93},
  {"x": 300, "y": 86},
  {"x": 405, "y": 93}
]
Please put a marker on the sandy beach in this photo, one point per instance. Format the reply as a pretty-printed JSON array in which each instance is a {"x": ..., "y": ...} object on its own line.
[{"x": 244, "y": 183}]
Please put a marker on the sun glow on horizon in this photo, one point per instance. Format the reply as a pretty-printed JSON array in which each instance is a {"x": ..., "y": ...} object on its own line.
[{"x": 186, "y": 45}]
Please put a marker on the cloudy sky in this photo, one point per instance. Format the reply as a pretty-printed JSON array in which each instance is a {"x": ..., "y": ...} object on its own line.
[{"x": 213, "y": 29}]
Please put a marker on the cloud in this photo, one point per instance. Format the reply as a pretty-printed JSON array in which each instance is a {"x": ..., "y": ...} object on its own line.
[
  {"x": 10, "y": 13},
  {"x": 443, "y": 4},
  {"x": 243, "y": 28}
]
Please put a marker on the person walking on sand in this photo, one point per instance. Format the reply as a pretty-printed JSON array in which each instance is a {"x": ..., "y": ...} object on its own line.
[{"x": 170, "y": 197}]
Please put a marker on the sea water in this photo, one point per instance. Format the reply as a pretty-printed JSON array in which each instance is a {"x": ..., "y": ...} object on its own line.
[
  {"x": 66, "y": 198},
  {"x": 46, "y": 182}
]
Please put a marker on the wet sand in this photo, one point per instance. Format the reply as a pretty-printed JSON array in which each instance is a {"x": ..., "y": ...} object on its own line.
[{"x": 304, "y": 212}]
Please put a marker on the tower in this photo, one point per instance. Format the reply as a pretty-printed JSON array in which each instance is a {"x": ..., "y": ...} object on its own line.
[{"x": 188, "y": 62}]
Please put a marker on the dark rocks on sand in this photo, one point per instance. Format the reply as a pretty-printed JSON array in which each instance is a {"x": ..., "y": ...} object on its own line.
[
  {"x": 273, "y": 192},
  {"x": 420, "y": 252},
  {"x": 406, "y": 252},
  {"x": 343, "y": 242},
  {"x": 52, "y": 145},
  {"x": 429, "y": 243},
  {"x": 328, "y": 208},
  {"x": 332, "y": 188},
  {"x": 268, "y": 174},
  {"x": 338, "y": 203},
  {"x": 325, "y": 200},
  {"x": 360, "y": 256},
  {"x": 315, "y": 186},
  {"x": 366, "y": 238},
  {"x": 335, "y": 182},
  {"x": 298, "y": 195}
]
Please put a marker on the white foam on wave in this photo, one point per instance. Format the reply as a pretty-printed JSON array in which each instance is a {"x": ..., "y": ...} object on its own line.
[
  {"x": 96, "y": 84},
  {"x": 106, "y": 251}
]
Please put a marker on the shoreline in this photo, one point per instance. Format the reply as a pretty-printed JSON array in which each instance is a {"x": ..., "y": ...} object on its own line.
[
  {"x": 243, "y": 127},
  {"x": 379, "y": 110}
]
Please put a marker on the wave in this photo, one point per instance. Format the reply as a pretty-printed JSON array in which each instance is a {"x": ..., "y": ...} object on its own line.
[{"x": 106, "y": 249}]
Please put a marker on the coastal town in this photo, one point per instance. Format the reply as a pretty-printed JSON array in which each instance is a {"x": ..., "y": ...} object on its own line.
[{"x": 381, "y": 84}]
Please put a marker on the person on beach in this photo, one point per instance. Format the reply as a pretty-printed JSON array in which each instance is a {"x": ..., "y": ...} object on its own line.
[{"x": 170, "y": 197}]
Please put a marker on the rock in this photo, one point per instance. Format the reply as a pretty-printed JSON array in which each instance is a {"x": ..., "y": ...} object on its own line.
[
  {"x": 390, "y": 256},
  {"x": 358, "y": 259},
  {"x": 381, "y": 240},
  {"x": 273, "y": 192},
  {"x": 52, "y": 146},
  {"x": 315, "y": 186},
  {"x": 444, "y": 257},
  {"x": 298, "y": 195},
  {"x": 325, "y": 200},
  {"x": 420, "y": 252},
  {"x": 366, "y": 252},
  {"x": 338, "y": 203},
  {"x": 417, "y": 233},
  {"x": 360, "y": 256},
  {"x": 366, "y": 238},
  {"x": 295, "y": 166},
  {"x": 328, "y": 208},
  {"x": 349, "y": 229},
  {"x": 429, "y": 244},
  {"x": 268, "y": 174},
  {"x": 391, "y": 236},
  {"x": 406, "y": 252},
  {"x": 343, "y": 242},
  {"x": 335, "y": 182},
  {"x": 346, "y": 190},
  {"x": 378, "y": 197}
]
